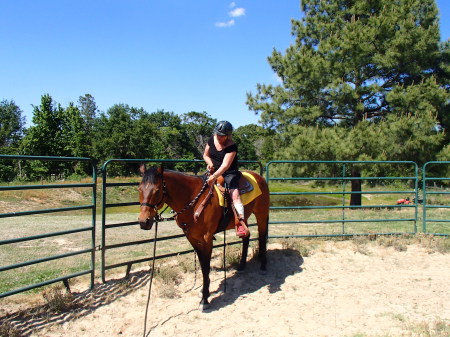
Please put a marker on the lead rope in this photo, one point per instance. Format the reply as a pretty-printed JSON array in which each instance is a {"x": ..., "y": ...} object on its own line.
[
  {"x": 151, "y": 281},
  {"x": 195, "y": 273},
  {"x": 157, "y": 219},
  {"x": 225, "y": 260}
]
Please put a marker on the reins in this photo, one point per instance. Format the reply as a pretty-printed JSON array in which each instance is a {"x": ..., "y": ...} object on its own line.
[
  {"x": 159, "y": 218},
  {"x": 151, "y": 280}
]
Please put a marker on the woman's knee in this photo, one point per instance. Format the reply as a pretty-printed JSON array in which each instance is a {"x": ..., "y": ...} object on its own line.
[{"x": 235, "y": 195}]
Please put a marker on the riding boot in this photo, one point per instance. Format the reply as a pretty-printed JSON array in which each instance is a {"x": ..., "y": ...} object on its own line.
[{"x": 241, "y": 227}]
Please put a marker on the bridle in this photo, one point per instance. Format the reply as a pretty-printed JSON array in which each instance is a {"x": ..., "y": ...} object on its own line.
[
  {"x": 155, "y": 206},
  {"x": 158, "y": 217}
]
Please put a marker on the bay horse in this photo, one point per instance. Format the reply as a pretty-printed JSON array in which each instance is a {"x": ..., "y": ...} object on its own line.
[{"x": 182, "y": 192}]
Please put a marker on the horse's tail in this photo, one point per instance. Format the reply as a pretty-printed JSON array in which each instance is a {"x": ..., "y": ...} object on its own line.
[{"x": 261, "y": 212}]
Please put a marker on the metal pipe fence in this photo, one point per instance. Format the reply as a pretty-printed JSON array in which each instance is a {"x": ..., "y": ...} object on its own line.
[
  {"x": 330, "y": 213},
  {"x": 20, "y": 236},
  {"x": 180, "y": 247},
  {"x": 308, "y": 199},
  {"x": 436, "y": 198}
]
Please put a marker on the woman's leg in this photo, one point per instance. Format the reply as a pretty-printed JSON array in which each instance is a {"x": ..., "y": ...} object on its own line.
[{"x": 237, "y": 202}]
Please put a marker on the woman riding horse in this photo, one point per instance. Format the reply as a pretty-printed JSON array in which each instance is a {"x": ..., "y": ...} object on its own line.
[
  {"x": 183, "y": 193},
  {"x": 221, "y": 158}
]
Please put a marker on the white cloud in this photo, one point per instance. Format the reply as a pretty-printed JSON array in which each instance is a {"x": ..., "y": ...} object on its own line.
[
  {"x": 234, "y": 13},
  {"x": 237, "y": 12},
  {"x": 225, "y": 24}
]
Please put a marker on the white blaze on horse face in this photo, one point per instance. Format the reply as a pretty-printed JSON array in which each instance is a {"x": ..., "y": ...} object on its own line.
[{"x": 147, "y": 193}]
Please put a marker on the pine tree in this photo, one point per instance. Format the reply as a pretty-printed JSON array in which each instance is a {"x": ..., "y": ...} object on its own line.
[{"x": 352, "y": 62}]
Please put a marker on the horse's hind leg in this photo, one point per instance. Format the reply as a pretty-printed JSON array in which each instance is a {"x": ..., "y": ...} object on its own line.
[{"x": 243, "y": 261}]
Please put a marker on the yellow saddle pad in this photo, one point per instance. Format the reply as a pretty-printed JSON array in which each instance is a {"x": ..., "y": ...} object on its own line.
[{"x": 246, "y": 197}]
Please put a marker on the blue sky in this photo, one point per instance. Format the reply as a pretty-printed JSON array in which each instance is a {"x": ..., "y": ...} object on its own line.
[{"x": 175, "y": 55}]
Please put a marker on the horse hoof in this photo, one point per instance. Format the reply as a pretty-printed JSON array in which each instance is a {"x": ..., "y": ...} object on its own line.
[{"x": 204, "y": 307}]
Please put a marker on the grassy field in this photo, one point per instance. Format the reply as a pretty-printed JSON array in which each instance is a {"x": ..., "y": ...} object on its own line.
[{"x": 378, "y": 217}]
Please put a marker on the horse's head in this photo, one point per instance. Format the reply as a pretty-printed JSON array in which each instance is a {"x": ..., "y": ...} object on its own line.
[{"x": 151, "y": 195}]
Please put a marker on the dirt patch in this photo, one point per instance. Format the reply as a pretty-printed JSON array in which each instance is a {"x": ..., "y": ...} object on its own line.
[
  {"x": 19, "y": 201},
  {"x": 337, "y": 290}
]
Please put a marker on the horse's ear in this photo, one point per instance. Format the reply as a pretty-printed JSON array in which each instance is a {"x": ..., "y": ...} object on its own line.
[
  {"x": 142, "y": 169},
  {"x": 161, "y": 169}
]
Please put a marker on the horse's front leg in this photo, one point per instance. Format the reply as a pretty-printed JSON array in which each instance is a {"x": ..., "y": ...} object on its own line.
[
  {"x": 205, "y": 261},
  {"x": 204, "y": 251}
]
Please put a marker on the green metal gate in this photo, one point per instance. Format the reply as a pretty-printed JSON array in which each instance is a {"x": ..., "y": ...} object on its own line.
[
  {"x": 321, "y": 211},
  {"x": 436, "y": 198},
  {"x": 29, "y": 238},
  {"x": 325, "y": 209},
  {"x": 122, "y": 238}
]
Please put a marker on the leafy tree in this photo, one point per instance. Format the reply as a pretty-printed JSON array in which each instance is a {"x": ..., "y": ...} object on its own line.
[
  {"x": 45, "y": 138},
  {"x": 172, "y": 140},
  {"x": 130, "y": 133},
  {"x": 75, "y": 139},
  {"x": 11, "y": 131},
  {"x": 165, "y": 119},
  {"x": 357, "y": 61},
  {"x": 254, "y": 143},
  {"x": 11, "y": 124},
  {"x": 198, "y": 127},
  {"x": 115, "y": 129},
  {"x": 88, "y": 109}
]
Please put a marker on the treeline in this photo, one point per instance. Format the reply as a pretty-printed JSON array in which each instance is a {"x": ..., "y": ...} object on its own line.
[{"x": 124, "y": 132}]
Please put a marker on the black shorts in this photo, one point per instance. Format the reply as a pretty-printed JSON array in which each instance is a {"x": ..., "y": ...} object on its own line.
[{"x": 232, "y": 179}]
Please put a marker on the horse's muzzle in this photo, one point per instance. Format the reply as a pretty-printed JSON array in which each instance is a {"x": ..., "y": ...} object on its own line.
[{"x": 147, "y": 224}]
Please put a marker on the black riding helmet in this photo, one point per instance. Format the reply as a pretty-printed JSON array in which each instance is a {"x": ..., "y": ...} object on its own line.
[{"x": 223, "y": 128}]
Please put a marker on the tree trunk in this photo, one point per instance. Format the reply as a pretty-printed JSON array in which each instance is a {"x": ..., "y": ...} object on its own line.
[{"x": 355, "y": 199}]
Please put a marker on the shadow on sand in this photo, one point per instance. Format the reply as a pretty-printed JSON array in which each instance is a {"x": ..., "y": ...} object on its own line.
[
  {"x": 29, "y": 321},
  {"x": 281, "y": 264}
]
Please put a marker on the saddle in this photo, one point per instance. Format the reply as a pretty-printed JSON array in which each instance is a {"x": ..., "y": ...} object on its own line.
[
  {"x": 244, "y": 185},
  {"x": 248, "y": 189}
]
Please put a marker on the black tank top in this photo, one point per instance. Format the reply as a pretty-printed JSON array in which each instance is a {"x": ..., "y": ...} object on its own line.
[{"x": 217, "y": 156}]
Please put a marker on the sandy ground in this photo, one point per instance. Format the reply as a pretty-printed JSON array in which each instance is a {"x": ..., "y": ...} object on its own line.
[{"x": 337, "y": 290}]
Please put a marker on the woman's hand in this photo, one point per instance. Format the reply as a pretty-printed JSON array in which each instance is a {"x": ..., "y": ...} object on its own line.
[{"x": 211, "y": 179}]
